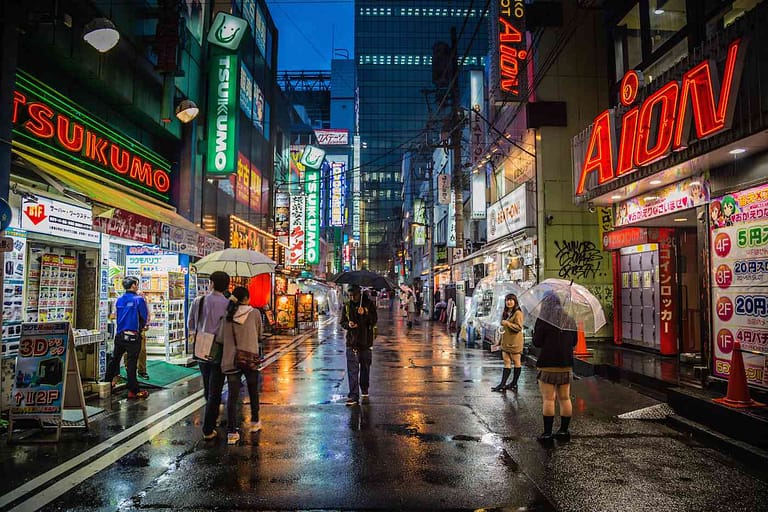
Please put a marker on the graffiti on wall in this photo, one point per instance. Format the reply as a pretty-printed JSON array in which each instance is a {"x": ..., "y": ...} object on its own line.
[
  {"x": 578, "y": 259},
  {"x": 604, "y": 293}
]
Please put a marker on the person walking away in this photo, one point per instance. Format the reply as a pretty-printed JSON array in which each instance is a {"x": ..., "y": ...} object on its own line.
[
  {"x": 555, "y": 365},
  {"x": 358, "y": 318},
  {"x": 410, "y": 308},
  {"x": 418, "y": 301},
  {"x": 205, "y": 315},
  {"x": 511, "y": 342},
  {"x": 132, "y": 315},
  {"x": 242, "y": 330}
]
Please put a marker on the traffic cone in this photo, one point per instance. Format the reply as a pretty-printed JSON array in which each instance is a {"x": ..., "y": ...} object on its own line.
[
  {"x": 737, "y": 395},
  {"x": 581, "y": 342}
]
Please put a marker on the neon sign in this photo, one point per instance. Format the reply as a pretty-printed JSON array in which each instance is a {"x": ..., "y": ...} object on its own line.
[
  {"x": 222, "y": 116},
  {"x": 45, "y": 119},
  {"x": 512, "y": 52},
  {"x": 662, "y": 123}
]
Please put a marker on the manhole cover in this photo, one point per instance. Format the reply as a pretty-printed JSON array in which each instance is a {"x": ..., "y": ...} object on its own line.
[{"x": 654, "y": 412}]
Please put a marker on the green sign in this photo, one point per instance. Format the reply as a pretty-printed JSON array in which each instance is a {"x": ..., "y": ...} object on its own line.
[
  {"x": 312, "y": 188},
  {"x": 221, "y": 157},
  {"x": 227, "y": 31}
]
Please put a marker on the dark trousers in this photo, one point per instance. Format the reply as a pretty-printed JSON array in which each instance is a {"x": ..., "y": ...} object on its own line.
[
  {"x": 131, "y": 351},
  {"x": 205, "y": 372},
  {"x": 234, "y": 383},
  {"x": 358, "y": 371},
  {"x": 215, "y": 385}
]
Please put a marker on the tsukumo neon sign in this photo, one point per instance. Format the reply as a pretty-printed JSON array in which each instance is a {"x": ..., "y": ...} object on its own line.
[
  {"x": 41, "y": 121},
  {"x": 662, "y": 123}
]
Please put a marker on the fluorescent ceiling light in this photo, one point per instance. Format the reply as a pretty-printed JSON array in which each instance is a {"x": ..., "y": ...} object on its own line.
[
  {"x": 737, "y": 151},
  {"x": 101, "y": 34},
  {"x": 655, "y": 182}
]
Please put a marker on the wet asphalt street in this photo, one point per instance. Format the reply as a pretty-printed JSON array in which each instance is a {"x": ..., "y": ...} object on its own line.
[{"x": 432, "y": 437}]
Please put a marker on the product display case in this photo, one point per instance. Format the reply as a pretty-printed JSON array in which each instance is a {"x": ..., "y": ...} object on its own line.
[
  {"x": 164, "y": 293},
  {"x": 286, "y": 313},
  {"x": 305, "y": 311}
]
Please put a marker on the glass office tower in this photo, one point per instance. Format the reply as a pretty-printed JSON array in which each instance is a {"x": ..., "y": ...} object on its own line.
[{"x": 393, "y": 53}]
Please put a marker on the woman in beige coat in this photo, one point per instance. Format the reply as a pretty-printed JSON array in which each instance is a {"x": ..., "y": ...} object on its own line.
[{"x": 511, "y": 342}]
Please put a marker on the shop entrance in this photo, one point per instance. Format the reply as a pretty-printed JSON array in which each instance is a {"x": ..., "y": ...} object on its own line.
[{"x": 689, "y": 298}]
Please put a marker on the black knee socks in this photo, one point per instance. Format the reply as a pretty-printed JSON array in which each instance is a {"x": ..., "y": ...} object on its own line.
[
  {"x": 548, "y": 421},
  {"x": 516, "y": 375},
  {"x": 565, "y": 421}
]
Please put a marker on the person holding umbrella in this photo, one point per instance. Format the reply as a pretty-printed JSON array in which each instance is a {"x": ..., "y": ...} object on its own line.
[
  {"x": 511, "y": 342},
  {"x": 555, "y": 365},
  {"x": 358, "y": 318}
]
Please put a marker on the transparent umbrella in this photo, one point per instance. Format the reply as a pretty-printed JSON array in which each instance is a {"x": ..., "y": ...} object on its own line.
[
  {"x": 236, "y": 262},
  {"x": 564, "y": 304}
]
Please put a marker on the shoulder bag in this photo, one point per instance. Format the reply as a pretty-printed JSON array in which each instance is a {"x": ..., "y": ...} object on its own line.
[{"x": 204, "y": 343}]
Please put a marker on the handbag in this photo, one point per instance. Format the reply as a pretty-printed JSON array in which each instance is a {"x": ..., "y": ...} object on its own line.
[
  {"x": 497, "y": 337},
  {"x": 204, "y": 345},
  {"x": 244, "y": 360}
]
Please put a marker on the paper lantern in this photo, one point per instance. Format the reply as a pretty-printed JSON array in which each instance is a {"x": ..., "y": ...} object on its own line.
[{"x": 260, "y": 290}]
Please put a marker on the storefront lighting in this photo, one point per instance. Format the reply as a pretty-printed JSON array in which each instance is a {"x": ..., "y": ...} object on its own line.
[
  {"x": 655, "y": 182},
  {"x": 650, "y": 198},
  {"x": 737, "y": 151},
  {"x": 694, "y": 184},
  {"x": 617, "y": 196},
  {"x": 680, "y": 219},
  {"x": 187, "y": 110},
  {"x": 102, "y": 34},
  {"x": 658, "y": 11}
]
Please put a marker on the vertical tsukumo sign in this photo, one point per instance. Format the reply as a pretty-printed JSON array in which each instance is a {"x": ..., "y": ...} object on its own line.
[
  {"x": 508, "y": 52},
  {"x": 356, "y": 188},
  {"x": 312, "y": 189},
  {"x": 297, "y": 234},
  {"x": 222, "y": 116}
]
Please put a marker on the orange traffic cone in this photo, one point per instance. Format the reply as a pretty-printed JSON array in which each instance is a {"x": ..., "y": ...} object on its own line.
[
  {"x": 737, "y": 395},
  {"x": 581, "y": 342}
]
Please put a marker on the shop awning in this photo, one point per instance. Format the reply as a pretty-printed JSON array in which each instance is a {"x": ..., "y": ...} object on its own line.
[{"x": 112, "y": 196}]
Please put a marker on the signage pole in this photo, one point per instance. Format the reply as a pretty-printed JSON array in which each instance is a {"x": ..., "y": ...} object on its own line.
[{"x": 458, "y": 172}]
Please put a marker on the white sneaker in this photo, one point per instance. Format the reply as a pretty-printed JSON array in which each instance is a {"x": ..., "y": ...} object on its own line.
[
  {"x": 233, "y": 437},
  {"x": 255, "y": 426}
]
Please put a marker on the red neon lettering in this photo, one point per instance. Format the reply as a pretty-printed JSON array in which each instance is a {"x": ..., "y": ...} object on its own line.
[
  {"x": 73, "y": 143},
  {"x": 18, "y": 99},
  {"x": 162, "y": 180},
  {"x": 627, "y": 142},
  {"x": 119, "y": 159},
  {"x": 40, "y": 122},
  {"x": 141, "y": 171},
  {"x": 94, "y": 148},
  {"x": 508, "y": 33},
  {"x": 666, "y": 98},
  {"x": 599, "y": 156},
  {"x": 698, "y": 85}
]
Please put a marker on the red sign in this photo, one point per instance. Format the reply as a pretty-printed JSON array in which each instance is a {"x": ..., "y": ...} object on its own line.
[
  {"x": 624, "y": 238},
  {"x": 662, "y": 123},
  {"x": 35, "y": 213},
  {"x": 512, "y": 51},
  {"x": 43, "y": 123},
  {"x": 130, "y": 226},
  {"x": 667, "y": 294}
]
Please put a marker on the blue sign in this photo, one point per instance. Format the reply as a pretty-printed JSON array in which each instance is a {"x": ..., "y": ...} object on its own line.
[{"x": 6, "y": 215}]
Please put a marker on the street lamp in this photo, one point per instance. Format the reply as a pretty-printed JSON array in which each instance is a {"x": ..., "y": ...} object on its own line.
[
  {"x": 102, "y": 34},
  {"x": 187, "y": 110}
]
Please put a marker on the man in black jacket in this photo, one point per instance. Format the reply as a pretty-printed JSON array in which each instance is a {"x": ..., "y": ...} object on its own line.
[{"x": 359, "y": 318}]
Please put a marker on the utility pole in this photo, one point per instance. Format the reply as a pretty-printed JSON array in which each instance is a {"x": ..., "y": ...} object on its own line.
[{"x": 458, "y": 171}]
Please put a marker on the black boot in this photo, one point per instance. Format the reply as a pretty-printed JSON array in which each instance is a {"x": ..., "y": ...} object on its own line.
[
  {"x": 504, "y": 377},
  {"x": 516, "y": 375},
  {"x": 547, "y": 435},
  {"x": 563, "y": 433}
]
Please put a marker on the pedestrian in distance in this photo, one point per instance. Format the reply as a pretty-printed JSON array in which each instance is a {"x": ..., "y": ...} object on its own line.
[
  {"x": 358, "y": 318},
  {"x": 206, "y": 315},
  {"x": 511, "y": 342},
  {"x": 132, "y": 316},
  {"x": 242, "y": 330},
  {"x": 410, "y": 308},
  {"x": 555, "y": 365}
]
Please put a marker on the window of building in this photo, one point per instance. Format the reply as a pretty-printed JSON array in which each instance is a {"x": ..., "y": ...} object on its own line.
[
  {"x": 670, "y": 58},
  {"x": 627, "y": 42},
  {"x": 667, "y": 18}
]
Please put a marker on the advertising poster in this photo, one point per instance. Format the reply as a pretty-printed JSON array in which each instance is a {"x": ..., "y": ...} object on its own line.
[
  {"x": 739, "y": 248},
  {"x": 241, "y": 182},
  {"x": 286, "y": 311},
  {"x": 679, "y": 196},
  {"x": 38, "y": 381},
  {"x": 58, "y": 219},
  {"x": 255, "y": 187},
  {"x": 338, "y": 172},
  {"x": 282, "y": 217},
  {"x": 246, "y": 91},
  {"x": 13, "y": 289},
  {"x": 297, "y": 232},
  {"x": 258, "y": 108}
]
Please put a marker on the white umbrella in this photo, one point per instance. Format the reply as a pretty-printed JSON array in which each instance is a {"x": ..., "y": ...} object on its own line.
[
  {"x": 406, "y": 288},
  {"x": 563, "y": 304},
  {"x": 236, "y": 262}
]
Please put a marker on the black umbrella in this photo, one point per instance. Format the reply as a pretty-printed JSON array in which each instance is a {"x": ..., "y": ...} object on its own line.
[{"x": 364, "y": 278}]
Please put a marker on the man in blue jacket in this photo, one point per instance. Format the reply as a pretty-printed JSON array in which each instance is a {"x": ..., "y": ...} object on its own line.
[{"x": 132, "y": 317}]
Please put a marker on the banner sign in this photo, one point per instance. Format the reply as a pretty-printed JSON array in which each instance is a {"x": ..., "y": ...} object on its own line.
[
  {"x": 689, "y": 193},
  {"x": 243, "y": 235},
  {"x": 663, "y": 123},
  {"x": 129, "y": 225},
  {"x": 478, "y": 195},
  {"x": 512, "y": 213},
  {"x": 312, "y": 239},
  {"x": 419, "y": 235},
  {"x": 222, "y": 115},
  {"x": 667, "y": 296},
  {"x": 296, "y": 256},
  {"x": 450, "y": 240},
  {"x": 739, "y": 249},
  {"x": 508, "y": 51},
  {"x": 477, "y": 126},
  {"x": 14, "y": 272},
  {"x": 443, "y": 188},
  {"x": 357, "y": 201},
  {"x": 46, "y": 120},
  {"x": 419, "y": 211},
  {"x": 282, "y": 217},
  {"x": 56, "y": 218},
  {"x": 338, "y": 192},
  {"x": 332, "y": 137}
]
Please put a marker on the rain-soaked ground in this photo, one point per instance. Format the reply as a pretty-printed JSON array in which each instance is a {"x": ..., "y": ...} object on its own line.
[{"x": 432, "y": 437}]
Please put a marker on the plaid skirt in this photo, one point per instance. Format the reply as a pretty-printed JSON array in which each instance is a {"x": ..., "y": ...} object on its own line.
[{"x": 555, "y": 378}]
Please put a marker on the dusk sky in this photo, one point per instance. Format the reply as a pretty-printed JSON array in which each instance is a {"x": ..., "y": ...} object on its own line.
[{"x": 310, "y": 29}]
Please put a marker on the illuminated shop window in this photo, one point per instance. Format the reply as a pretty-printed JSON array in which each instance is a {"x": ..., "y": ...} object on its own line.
[{"x": 667, "y": 18}]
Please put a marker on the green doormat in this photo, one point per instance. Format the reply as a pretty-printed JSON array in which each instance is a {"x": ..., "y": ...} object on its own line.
[{"x": 162, "y": 374}]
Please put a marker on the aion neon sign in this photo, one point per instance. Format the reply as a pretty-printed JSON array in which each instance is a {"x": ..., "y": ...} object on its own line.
[{"x": 662, "y": 123}]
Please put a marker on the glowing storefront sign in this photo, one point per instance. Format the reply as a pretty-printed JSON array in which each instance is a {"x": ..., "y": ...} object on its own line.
[
  {"x": 685, "y": 194},
  {"x": 227, "y": 31},
  {"x": 512, "y": 51},
  {"x": 222, "y": 116},
  {"x": 512, "y": 213},
  {"x": 332, "y": 137},
  {"x": 662, "y": 123},
  {"x": 44, "y": 119},
  {"x": 312, "y": 238},
  {"x": 338, "y": 170},
  {"x": 297, "y": 233}
]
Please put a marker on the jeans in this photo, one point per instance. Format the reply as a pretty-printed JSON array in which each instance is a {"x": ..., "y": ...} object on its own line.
[
  {"x": 141, "y": 365},
  {"x": 131, "y": 351},
  {"x": 233, "y": 396},
  {"x": 215, "y": 382},
  {"x": 358, "y": 371}
]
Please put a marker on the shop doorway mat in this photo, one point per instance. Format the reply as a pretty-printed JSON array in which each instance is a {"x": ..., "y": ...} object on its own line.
[
  {"x": 162, "y": 374},
  {"x": 75, "y": 416}
]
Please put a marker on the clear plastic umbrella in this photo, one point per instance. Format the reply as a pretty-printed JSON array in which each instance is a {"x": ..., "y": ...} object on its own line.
[
  {"x": 564, "y": 304},
  {"x": 236, "y": 262}
]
